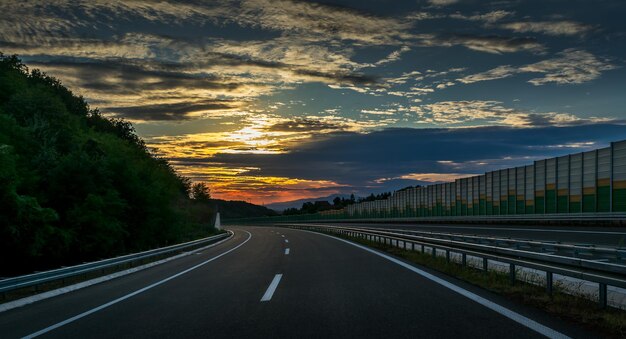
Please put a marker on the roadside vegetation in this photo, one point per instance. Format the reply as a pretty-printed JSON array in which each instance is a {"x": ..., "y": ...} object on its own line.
[
  {"x": 608, "y": 323},
  {"x": 76, "y": 186},
  {"x": 312, "y": 207}
]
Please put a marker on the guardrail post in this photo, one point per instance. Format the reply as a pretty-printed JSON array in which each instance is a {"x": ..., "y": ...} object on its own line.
[
  {"x": 463, "y": 259},
  {"x": 602, "y": 295},
  {"x": 434, "y": 252},
  {"x": 412, "y": 246},
  {"x": 549, "y": 282},
  {"x": 485, "y": 265},
  {"x": 512, "y": 274},
  {"x": 423, "y": 250},
  {"x": 447, "y": 255}
]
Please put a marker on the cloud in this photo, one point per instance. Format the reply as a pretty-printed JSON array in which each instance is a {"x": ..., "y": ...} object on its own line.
[
  {"x": 442, "y": 2},
  {"x": 499, "y": 72},
  {"x": 392, "y": 57},
  {"x": 571, "y": 66},
  {"x": 427, "y": 177},
  {"x": 174, "y": 111},
  {"x": 390, "y": 111},
  {"x": 358, "y": 161},
  {"x": 488, "y": 18},
  {"x": 490, "y": 43},
  {"x": 491, "y": 113},
  {"x": 404, "y": 77},
  {"x": 305, "y": 125},
  {"x": 321, "y": 21},
  {"x": 549, "y": 27}
]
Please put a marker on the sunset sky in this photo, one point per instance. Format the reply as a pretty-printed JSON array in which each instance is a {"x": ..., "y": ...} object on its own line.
[{"x": 270, "y": 101}]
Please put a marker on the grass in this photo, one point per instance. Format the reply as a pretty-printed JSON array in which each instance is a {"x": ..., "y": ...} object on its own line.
[{"x": 608, "y": 322}]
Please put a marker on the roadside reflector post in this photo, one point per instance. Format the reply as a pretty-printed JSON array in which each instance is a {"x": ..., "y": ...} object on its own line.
[
  {"x": 549, "y": 282},
  {"x": 512, "y": 274},
  {"x": 602, "y": 296}
]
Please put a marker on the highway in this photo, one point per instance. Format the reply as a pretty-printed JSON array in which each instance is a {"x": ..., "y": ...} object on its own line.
[
  {"x": 602, "y": 235},
  {"x": 271, "y": 282}
]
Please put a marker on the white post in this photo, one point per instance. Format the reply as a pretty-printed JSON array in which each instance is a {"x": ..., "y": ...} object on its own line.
[{"x": 218, "y": 224}]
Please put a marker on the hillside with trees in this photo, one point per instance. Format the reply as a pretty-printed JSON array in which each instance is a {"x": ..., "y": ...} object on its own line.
[{"x": 77, "y": 186}]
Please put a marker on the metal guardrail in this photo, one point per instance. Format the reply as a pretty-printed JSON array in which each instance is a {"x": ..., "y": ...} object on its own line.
[
  {"x": 592, "y": 252},
  {"x": 67, "y": 272},
  {"x": 603, "y": 273}
]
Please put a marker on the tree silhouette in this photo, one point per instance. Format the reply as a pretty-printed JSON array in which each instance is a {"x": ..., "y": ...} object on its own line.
[{"x": 200, "y": 192}]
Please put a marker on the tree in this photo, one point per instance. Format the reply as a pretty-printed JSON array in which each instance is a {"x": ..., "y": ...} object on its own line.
[
  {"x": 200, "y": 192},
  {"x": 77, "y": 186}
]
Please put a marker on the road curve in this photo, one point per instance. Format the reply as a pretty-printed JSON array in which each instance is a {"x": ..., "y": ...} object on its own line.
[{"x": 276, "y": 283}]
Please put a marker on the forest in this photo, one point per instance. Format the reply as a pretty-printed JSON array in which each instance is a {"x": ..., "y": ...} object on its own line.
[{"x": 77, "y": 186}]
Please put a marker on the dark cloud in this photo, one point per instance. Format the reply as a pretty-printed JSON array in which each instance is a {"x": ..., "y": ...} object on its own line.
[
  {"x": 304, "y": 125},
  {"x": 339, "y": 77},
  {"x": 131, "y": 77},
  {"x": 177, "y": 111},
  {"x": 360, "y": 159},
  {"x": 493, "y": 43}
]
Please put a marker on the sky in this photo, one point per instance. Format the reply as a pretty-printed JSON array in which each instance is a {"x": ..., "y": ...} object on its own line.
[{"x": 273, "y": 100}]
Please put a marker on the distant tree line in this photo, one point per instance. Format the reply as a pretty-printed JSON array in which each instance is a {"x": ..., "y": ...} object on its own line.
[
  {"x": 77, "y": 186},
  {"x": 373, "y": 197},
  {"x": 337, "y": 204}
]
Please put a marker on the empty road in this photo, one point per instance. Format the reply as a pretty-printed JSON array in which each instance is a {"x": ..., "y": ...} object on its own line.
[{"x": 281, "y": 283}]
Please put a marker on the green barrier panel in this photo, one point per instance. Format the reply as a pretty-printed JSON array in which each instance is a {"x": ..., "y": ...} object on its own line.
[
  {"x": 503, "y": 207},
  {"x": 562, "y": 203},
  {"x": 550, "y": 201},
  {"x": 619, "y": 200},
  {"x": 604, "y": 199},
  {"x": 511, "y": 205},
  {"x": 589, "y": 203},
  {"x": 539, "y": 205}
]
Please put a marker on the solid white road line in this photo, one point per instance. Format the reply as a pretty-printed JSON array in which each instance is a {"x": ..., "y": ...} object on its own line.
[
  {"x": 286, "y": 251},
  {"x": 271, "y": 288},
  {"x": 286, "y": 240},
  {"x": 130, "y": 295},
  {"x": 518, "y": 318}
]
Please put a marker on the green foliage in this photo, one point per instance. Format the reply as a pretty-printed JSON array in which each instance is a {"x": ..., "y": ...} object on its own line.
[
  {"x": 76, "y": 186},
  {"x": 240, "y": 209},
  {"x": 372, "y": 197},
  {"x": 200, "y": 192},
  {"x": 319, "y": 206}
]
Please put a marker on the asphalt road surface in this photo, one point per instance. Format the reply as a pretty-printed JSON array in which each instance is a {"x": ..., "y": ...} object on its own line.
[
  {"x": 604, "y": 236},
  {"x": 281, "y": 283}
]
